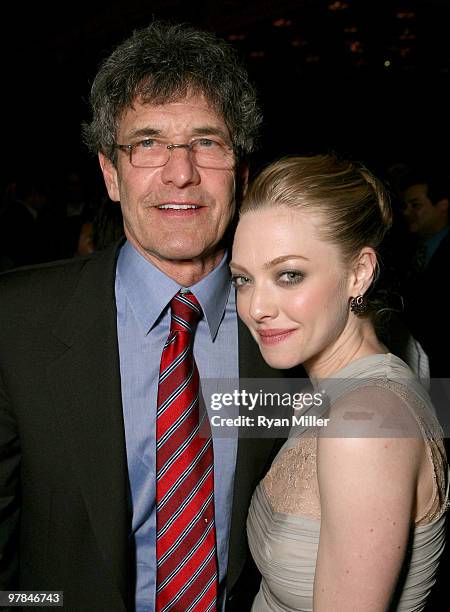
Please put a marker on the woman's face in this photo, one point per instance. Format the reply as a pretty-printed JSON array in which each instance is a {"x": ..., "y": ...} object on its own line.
[{"x": 293, "y": 289}]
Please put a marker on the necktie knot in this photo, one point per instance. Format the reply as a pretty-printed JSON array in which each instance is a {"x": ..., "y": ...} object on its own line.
[{"x": 185, "y": 312}]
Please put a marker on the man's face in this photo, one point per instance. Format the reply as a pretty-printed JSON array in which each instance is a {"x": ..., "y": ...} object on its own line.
[
  {"x": 423, "y": 219},
  {"x": 177, "y": 212}
]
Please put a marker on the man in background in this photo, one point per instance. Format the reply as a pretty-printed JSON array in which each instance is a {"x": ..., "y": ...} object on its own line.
[
  {"x": 426, "y": 215},
  {"x": 27, "y": 234}
]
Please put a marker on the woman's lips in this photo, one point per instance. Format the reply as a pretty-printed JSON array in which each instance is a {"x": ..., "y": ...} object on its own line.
[{"x": 274, "y": 336}]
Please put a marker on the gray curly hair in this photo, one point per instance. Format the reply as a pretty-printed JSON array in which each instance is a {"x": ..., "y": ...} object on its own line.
[{"x": 161, "y": 63}]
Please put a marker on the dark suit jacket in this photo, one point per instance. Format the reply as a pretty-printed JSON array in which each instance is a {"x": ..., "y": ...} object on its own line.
[{"x": 64, "y": 511}]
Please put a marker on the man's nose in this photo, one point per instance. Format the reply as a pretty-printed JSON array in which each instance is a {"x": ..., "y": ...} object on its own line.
[
  {"x": 406, "y": 209},
  {"x": 180, "y": 169}
]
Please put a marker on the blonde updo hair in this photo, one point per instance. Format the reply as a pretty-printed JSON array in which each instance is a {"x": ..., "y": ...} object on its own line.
[{"x": 353, "y": 204}]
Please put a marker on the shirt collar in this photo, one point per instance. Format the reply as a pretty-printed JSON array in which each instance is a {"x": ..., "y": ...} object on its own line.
[
  {"x": 433, "y": 243},
  {"x": 439, "y": 236},
  {"x": 149, "y": 290}
]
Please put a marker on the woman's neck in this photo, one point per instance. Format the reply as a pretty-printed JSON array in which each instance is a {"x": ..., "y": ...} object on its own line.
[{"x": 358, "y": 340}]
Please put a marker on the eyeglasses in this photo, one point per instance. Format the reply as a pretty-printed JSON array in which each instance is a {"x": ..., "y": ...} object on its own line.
[{"x": 205, "y": 153}]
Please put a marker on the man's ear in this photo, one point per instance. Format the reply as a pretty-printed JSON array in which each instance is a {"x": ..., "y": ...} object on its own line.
[
  {"x": 443, "y": 205},
  {"x": 110, "y": 177},
  {"x": 244, "y": 170},
  {"x": 363, "y": 271}
]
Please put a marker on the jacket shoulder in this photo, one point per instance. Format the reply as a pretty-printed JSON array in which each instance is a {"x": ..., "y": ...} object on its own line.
[
  {"x": 39, "y": 292},
  {"x": 40, "y": 282}
]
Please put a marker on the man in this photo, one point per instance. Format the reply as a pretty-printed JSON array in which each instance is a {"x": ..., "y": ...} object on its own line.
[
  {"x": 27, "y": 235},
  {"x": 426, "y": 214},
  {"x": 81, "y": 350}
]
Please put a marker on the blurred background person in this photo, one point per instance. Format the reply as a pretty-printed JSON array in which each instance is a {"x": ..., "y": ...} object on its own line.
[
  {"x": 27, "y": 232},
  {"x": 425, "y": 206},
  {"x": 102, "y": 230}
]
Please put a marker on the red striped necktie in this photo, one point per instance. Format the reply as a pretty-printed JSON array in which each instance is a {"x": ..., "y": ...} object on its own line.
[{"x": 186, "y": 537}]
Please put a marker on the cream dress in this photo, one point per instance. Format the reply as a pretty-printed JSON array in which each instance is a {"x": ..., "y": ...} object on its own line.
[{"x": 284, "y": 517}]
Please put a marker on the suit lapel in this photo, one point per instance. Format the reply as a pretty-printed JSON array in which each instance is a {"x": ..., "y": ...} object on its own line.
[
  {"x": 439, "y": 261},
  {"x": 85, "y": 380}
]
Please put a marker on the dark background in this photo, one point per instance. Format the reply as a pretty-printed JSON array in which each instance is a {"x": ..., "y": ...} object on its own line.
[{"x": 367, "y": 78}]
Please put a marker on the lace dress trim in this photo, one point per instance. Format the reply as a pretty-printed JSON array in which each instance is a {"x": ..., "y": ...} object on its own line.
[{"x": 291, "y": 484}]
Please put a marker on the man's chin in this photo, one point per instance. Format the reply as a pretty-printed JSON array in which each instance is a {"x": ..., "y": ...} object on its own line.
[{"x": 181, "y": 255}]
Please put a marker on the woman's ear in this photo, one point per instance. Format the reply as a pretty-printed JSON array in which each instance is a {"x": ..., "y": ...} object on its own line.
[{"x": 364, "y": 271}]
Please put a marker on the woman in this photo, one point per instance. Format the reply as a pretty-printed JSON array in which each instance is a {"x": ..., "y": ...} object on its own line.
[{"x": 351, "y": 516}]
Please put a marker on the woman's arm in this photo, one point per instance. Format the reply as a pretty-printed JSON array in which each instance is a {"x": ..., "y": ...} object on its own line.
[{"x": 368, "y": 492}]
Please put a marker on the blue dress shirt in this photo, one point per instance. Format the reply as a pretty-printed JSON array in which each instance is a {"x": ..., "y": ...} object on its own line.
[{"x": 143, "y": 294}]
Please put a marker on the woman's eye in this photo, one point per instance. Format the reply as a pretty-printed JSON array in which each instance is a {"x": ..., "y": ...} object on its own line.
[
  {"x": 290, "y": 277},
  {"x": 238, "y": 280}
]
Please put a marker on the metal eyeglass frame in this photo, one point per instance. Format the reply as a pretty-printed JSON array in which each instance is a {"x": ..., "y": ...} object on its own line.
[{"x": 171, "y": 146}]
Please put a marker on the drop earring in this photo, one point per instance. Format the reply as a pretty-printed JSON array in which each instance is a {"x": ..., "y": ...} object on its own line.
[{"x": 358, "y": 304}]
